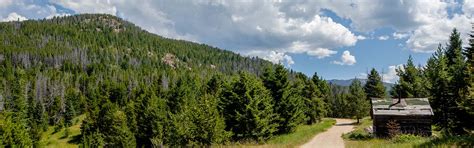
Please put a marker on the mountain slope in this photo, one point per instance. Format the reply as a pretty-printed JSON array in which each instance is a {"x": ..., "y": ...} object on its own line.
[
  {"x": 92, "y": 39},
  {"x": 131, "y": 85}
]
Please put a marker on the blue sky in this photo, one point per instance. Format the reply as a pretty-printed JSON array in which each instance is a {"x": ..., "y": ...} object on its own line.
[{"x": 337, "y": 39}]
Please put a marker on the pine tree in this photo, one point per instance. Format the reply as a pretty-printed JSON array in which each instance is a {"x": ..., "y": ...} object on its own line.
[
  {"x": 322, "y": 92},
  {"x": 358, "y": 103},
  {"x": 459, "y": 87},
  {"x": 291, "y": 107},
  {"x": 14, "y": 133},
  {"x": 17, "y": 130},
  {"x": 151, "y": 118},
  {"x": 113, "y": 125},
  {"x": 410, "y": 84},
  {"x": 468, "y": 104},
  {"x": 288, "y": 103},
  {"x": 315, "y": 107},
  {"x": 276, "y": 81},
  {"x": 440, "y": 100},
  {"x": 248, "y": 109},
  {"x": 374, "y": 87},
  {"x": 210, "y": 125}
]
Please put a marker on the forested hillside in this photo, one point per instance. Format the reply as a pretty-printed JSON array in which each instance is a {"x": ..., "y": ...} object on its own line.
[{"x": 139, "y": 89}]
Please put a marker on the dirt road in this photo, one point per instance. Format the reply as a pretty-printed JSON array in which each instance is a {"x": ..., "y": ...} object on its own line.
[{"x": 332, "y": 137}]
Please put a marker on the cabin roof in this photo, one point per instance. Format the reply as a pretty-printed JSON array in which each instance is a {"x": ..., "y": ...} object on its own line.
[{"x": 406, "y": 106}]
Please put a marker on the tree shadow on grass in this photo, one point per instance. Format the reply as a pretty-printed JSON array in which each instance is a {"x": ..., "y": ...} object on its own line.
[
  {"x": 458, "y": 141},
  {"x": 75, "y": 139}
]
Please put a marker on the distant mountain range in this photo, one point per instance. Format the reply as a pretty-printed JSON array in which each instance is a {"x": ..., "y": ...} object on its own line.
[{"x": 363, "y": 81}]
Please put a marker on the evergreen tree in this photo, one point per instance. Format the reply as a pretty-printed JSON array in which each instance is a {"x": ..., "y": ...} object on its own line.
[
  {"x": 291, "y": 107},
  {"x": 288, "y": 103},
  {"x": 16, "y": 129},
  {"x": 113, "y": 126},
  {"x": 459, "y": 87},
  {"x": 14, "y": 133},
  {"x": 374, "y": 87},
  {"x": 357, "y": 100},
  {"x": 276, "y": 81},
  {"x": 315, "y": 107},
  {"x": 441, "y": 100},
  {"x": 322, "y": 92},
  {"x": 468, "y": 104},
  {"x": 410, "y": 84},
  {"x": 151, "y": 118},
  {"x": 200, "y": 123},
  {"x": 248, "y": 109}
]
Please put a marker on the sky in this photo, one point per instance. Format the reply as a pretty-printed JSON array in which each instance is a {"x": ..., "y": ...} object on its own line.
[{"x": 340, "y": 39}]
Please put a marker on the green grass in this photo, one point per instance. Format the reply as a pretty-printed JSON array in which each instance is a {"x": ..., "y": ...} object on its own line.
[
  {"x": 57, "y": 139},
  {"x": 359, "y": 133},
  {"x": 302, "y": 134},
  {"x": 404, "y": 140}
]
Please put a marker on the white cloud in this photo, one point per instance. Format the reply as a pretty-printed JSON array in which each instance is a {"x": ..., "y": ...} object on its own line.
[
  {"x": 425, "y": 21},
  {"x": 237, "y": 25},
  {"x": 89, "y": 6},
  {"x": 321, "y": 52},
  {"x": 29, "y": 9},
  {"x": 14, "y": 17},
  {"x": 346, "y": 59},
  {"x": 398, "y": 35},
  {"x": 391, "y": 75},
  {"x": 5, "y": 3},
  {"x": 360, "y": 37},
  {"x": 468, "y": 8},
  {"x": 304, "y": 47},
  {"x": 383, "y": 37},
  {"x": 427, "y": 37},
  {"x": 273, "y": 56}
]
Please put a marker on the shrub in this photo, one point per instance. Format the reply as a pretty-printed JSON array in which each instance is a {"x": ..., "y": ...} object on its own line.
[
  {"x": 393, "y": 128},
  {"x": 403, "y": 138},
  {"x": 358, "y": 135}
]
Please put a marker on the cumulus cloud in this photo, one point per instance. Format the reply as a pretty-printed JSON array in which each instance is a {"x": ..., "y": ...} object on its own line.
[
  {"x": 241, "y": 26},
  {"x": 304, "y": 47},
  {"x": 88, "y": 6},
  {"x": 427, "y": 37},
  {"x": 14, "y": 17},
  {"x": 273, "y": 56},
  {"x": 468, "y": 8},
  {"x": 361, "y": 37},
  {"x": 425, "y": 21},
  {"x": 346, "y": 59},
  {"x": 321, "y": 52},
  {"x": 398, "y": 35},
  {"x": 391, "y": 75},
  {"x": 383, "y": 37},
  {"x": 5, "y": 3},
  {"x": 29, "y": 10}
]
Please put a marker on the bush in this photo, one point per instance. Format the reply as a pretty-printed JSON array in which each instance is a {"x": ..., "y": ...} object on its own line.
[
  {"x": 393, "y": 128},
  {"x": 358, "y": 135},
  {"x": 403, "y": 138}
]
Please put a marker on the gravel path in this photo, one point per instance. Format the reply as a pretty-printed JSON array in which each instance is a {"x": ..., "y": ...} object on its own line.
[{"x": 332, "y": 137}]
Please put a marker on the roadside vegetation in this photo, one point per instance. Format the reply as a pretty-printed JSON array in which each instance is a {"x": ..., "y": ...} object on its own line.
[
  {"x": 302, "y": 134},
  {"x": 361, "y": 138}
]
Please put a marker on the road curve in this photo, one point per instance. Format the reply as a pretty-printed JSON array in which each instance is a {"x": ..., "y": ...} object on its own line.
[{"x": 332, "y": 137}]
